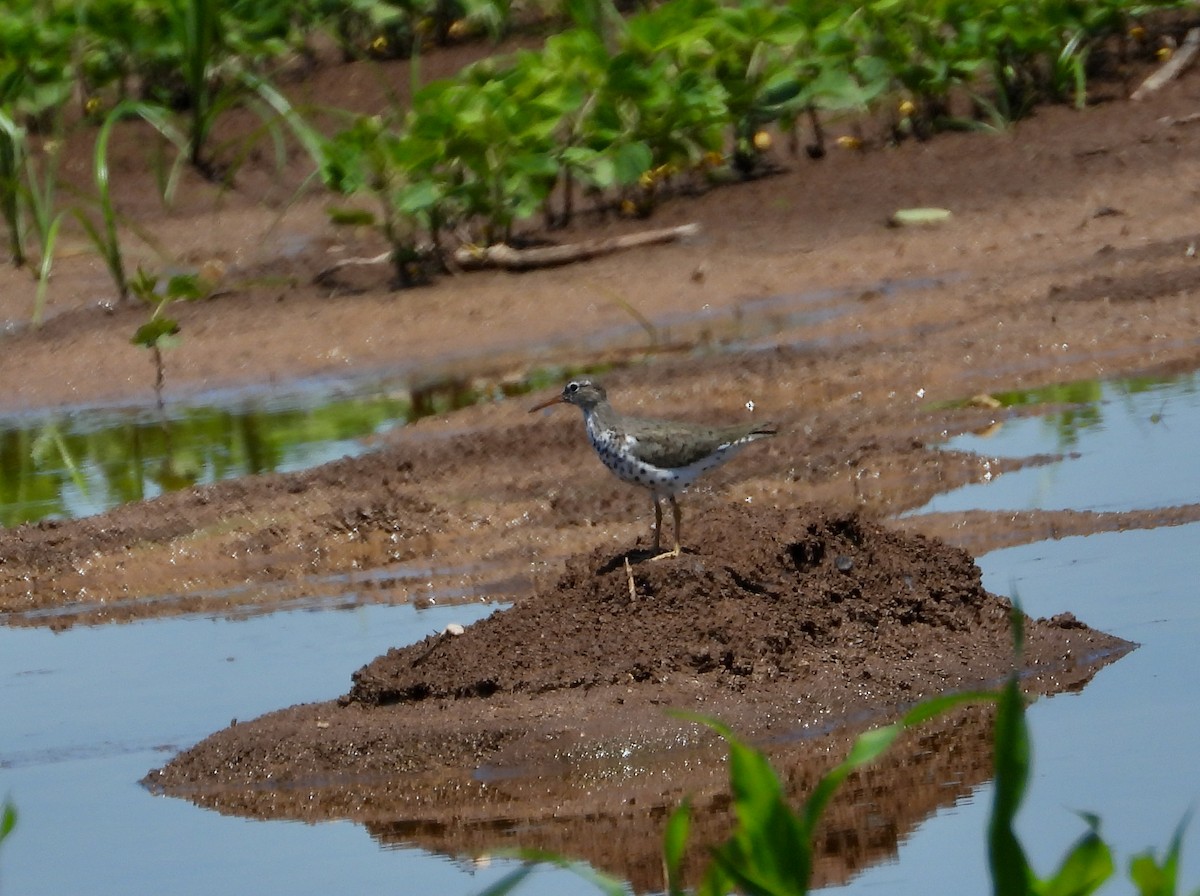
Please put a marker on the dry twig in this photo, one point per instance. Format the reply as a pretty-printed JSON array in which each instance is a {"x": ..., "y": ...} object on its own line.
[
  {"x": 1172, "y": 68},
  {"x": 504, "y": 256}
]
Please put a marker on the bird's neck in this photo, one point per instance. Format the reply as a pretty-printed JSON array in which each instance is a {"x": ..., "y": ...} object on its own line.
[{"x": 600, "y": 417}]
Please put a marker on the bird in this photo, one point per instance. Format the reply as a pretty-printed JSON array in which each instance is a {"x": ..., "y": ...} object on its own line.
[{"x": 664, "y": 456}]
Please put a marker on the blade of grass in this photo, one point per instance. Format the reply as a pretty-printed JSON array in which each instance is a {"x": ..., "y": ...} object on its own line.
[
  {"x": 533, "y": 857},
  {"x": 1087, "y": 865},
  {"x": 674, "y": 843},
  {"x": 12, "y": 149},
  {"x": 49, "y": 242},
  {"x": 308, "y": 136},
  {"x": 1155, "y": 878},
  {"x": 106, "y": 237},
  {"x": 8, "y": 820},
  {"x": 1011, "y": 873},
  {"x": 770, "y": 852}
]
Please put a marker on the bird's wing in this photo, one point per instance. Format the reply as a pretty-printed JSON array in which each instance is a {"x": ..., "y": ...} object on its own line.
[{"x": 681, "y": 445}]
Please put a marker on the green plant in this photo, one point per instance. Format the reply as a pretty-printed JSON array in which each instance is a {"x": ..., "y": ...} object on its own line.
[
  {"x": 159, "y": 332},
  {"x": 13, "y": 151},
  {"x": 40, "y": 187},
  {"x": 8, "y": 820},
  {"x": 27, "y": 194},
  {"x": 373, "y": 157},
  {"x": 104, "y": 236},
  {"x": 197, "y": 27},
  {"x": 215, "y": 66}
]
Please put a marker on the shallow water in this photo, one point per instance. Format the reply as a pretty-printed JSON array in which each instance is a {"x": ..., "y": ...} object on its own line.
[
  {"x": 75, "y": 743},
  {"x": 1123, "y": 748},
  {"x": 82, "y": 460},
  {"x": 87, "y": 461},
  {"x": 1130, "y": 446},
  {"x": 89, "y": 711}
]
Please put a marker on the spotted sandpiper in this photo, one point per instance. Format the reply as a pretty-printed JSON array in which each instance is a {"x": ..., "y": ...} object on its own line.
[{"x": 665, "y": 456}]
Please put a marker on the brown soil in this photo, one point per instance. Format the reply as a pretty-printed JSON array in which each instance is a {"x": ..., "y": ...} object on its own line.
[{"x": 1071, "y": 254}]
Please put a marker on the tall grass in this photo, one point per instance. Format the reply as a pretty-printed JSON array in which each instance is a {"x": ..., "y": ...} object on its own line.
[
  {"x": 197, "y": 28},
  {"x": 27, "y": 202},
  {"x": 104, "y": 235},
  {"x": 12, "y": 164}
]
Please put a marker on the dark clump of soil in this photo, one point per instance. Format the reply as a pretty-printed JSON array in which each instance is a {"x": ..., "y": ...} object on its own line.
[
  {"x": 766, "y": 598},
  {"x": 779, "y": 622}
]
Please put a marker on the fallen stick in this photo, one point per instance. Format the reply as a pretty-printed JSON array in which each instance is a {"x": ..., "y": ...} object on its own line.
[
  {"x": 325, "y": 273},
  {"x": 502, "y": 255},
  {"x": 1172, "y": 68}
]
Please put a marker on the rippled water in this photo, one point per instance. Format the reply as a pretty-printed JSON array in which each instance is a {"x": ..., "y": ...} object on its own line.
[{"x": 87, "y": 712}]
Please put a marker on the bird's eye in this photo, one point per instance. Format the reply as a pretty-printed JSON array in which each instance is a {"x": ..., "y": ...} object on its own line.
[{"x": 572, "y": 388}]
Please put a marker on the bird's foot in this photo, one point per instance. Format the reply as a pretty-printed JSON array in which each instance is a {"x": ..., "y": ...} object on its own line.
[{"x": 674, "y": 552}]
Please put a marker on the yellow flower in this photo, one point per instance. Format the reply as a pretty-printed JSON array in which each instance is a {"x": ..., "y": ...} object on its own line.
[
  {"x": 628, "y": 207},
  {"x": 459, "y": 28},
  {"x": 848, "y": 142},
  {"x": 1163, "y": 54},
  {"x": 762, "y": 141},
  {"x": 379, "y": 44},
  {"x": 907, "y": 108},
  {"x": 93, "y": 105},
  {"x": 1137, "y": 32}
]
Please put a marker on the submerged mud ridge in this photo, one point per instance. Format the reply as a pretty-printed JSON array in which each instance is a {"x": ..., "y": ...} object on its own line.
[{"x": 782, "y": 623}]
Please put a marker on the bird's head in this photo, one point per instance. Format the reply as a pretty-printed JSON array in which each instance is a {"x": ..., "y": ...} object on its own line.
[{"x": 583, "y": 393}]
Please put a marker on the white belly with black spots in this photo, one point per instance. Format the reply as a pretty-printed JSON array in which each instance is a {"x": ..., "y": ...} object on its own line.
[{"x": 616, "y": 453}]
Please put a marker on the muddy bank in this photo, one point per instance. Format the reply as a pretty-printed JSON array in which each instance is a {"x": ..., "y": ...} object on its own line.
[
  {"x": 797, "y": 627},
  {"x": 1071, "y": 255}
]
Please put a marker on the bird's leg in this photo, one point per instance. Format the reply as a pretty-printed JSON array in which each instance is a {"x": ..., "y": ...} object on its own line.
[
  {"x": 657, "y": 524},
  {"x": 678, "y": 515}
]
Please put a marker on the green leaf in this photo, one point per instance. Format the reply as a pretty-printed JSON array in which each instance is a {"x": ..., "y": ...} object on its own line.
[
  {"x": 674, "y": 844},
  {"x": 153, "y": 331},
  {"x": 631, "y": 161},
  {"x": 1154, "y": 878},
  {"x": 145, "y": 286},
  {"x": 418, "y": 197},
  {"x": 351, "y": 217},
  {"x": 1084, "y": 869},
  {"x": 870, "y": 744},
  {"x": 770, "y": 852},
  {"x": 8, "y": 820},
  {"x": 186, "y": 287},
  {"x": 1011, "y": 874}
]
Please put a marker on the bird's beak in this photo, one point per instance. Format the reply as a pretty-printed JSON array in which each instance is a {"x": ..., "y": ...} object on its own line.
[{"x": 557, "y": 399}]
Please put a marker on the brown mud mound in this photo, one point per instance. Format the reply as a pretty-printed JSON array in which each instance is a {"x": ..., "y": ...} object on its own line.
[
  {"x": 825, "y": 608},
  {"x": 781, "y": 623}
]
